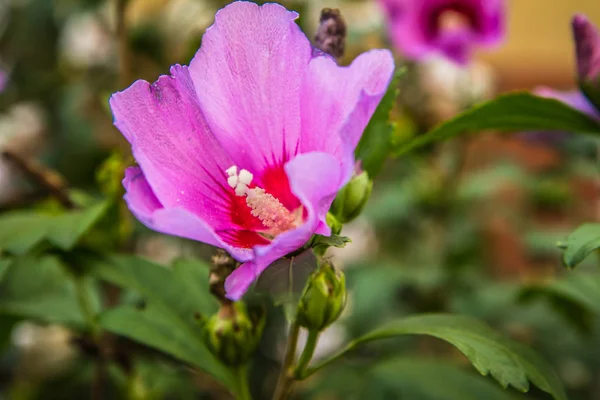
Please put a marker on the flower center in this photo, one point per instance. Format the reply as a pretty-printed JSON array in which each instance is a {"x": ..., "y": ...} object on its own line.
[
  {"x": 451, "y": 20},
  {"x": 263, "y": 205}
]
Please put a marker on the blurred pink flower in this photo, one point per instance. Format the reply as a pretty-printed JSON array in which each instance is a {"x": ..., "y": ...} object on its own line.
[
  {"x": 246, "y": 148},
  {"x": 452, "y": 28}
]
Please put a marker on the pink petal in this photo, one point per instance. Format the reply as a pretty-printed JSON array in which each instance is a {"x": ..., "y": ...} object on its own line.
[
  {"x": 315, "y": 179},
  {"x": 338, "y": 102},
  {"x": 146, "y": 207},
  {"x": 247, "y": 75},
  {"x": 182, "y": 161}
]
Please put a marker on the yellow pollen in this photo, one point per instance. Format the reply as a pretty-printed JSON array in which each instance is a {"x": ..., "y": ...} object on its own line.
[{"x": 269, "y": 210}]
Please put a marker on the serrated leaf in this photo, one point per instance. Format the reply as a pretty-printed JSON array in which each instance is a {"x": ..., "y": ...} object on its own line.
[
  {"x": 411, "y": 378},
  {"x": 519, "y": 111},
  {"x": 22, "y": 230},
  {"x": 509, "y": 362},
  {"x": 375, "y": 143},
  {"x": 580, "y": 244}
]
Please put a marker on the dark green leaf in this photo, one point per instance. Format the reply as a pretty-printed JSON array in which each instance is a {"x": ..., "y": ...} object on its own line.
[
  {"x": 411, "y": 378},
  {"x": 182, "y": 289},
  {"x": 22, "y": 230},
  {"x": 510, "y": 363},
  {"x": 375, "y": 143},
  {"x": 4, "y": 264},
  {"x": 580, "y": 244},
  {"x": 576, "y": 296},
  {"x": 332, "y": 240},
  {"x": 40, "y": 288},
  {"x": 174, "y": 297},
  {"x": 520, "y": 111},
  {"x": 167, "y": 333}
]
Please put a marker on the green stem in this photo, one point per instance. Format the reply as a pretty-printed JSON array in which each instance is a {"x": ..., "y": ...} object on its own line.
[
  {"x": 307, "y": 353},
  {"x": 308, "y": 372},
  {"x": 285, "y": 380},
  {"x": 85, "y": 305},
  {"x": 242, "y": 386}
]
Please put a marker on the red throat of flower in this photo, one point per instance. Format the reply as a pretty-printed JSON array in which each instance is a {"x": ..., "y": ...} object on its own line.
[{"x": 273, "y": 215}]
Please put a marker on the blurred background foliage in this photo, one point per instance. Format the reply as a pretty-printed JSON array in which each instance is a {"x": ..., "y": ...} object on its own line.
[{"x": 469, "y": 226}]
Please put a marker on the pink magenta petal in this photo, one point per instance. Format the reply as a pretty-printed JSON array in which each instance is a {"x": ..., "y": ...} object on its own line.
[
  {"x": 143, "y": 203},
  {"x": 182, "y": 161},
  {"x": 315, "y": 178},
  {"x": 247, "y": 75},
  {"x": 331, "y": 93}
]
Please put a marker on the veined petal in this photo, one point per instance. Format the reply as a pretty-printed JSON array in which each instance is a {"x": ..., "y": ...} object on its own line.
[
  {"x": 338, "y": 102},
  {"x": 247, "y": 75},
  {"x": 182, "y": 161},
  {"x": 315, "y": 178},
  {"x": 146, "y": 207}
]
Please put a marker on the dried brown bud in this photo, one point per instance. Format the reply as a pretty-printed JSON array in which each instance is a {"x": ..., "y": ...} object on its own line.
[
  {"x": 222, "y": 265},
  {"x": 331, "y": 35}
]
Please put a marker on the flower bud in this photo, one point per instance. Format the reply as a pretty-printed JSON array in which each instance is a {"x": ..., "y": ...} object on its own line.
[
  {"x": 587, "y": 47},
  {"x": 323, "y": 298},
  {"x": 350, "y": 201},
  {"x": 232, "y": 334}
]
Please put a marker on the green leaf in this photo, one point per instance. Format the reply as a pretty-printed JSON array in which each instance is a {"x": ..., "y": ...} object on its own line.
[
  {"x": 519, "y": 111},
  {"x": 175, "y": 297},
  {"x": 167, "y": 333},
  {"x": 376, "y": 141},
  {"x": 576, "y": 296},
  {"x": 4, "y": 264},
  {"x": 411, "y": 378},
  {"x": 182, "y": 288},
  {"x": 580, "y": 244},
  {"x": 22, "y": 230},
  {"x": 510, "y": 363},
  {"x": 331, "y": 240},
  {"x": 40, "y": 288}
]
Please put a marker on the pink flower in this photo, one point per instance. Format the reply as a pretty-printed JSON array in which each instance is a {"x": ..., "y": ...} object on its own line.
[
  {"x": 246, "y": 148},
  {"x": 421, "y": 28}
]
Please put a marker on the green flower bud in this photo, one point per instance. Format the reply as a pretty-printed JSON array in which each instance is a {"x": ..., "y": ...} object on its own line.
[
  {"x": 333, "y": 223},
  {"x": 323, "y": 298},
  {"x": 350, "y": 201},
  {"x": 232, "y": 334}
]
